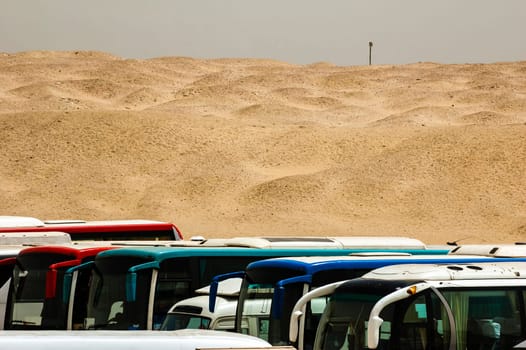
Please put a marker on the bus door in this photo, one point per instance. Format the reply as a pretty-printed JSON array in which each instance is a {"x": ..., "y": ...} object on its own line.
[
  {"x": 449, "y": 318},
  {"x": 411, "y": 320}
]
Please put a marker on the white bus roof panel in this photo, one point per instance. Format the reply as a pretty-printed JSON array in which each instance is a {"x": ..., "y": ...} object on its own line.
[
  {"x": 185, "y": 339},
  {"x": 34, "y": 238},
  {"x": 495, "y": 250},
  {"x": 436, "y": 272},
  {"x": 228, "y": 287},
  {"x": 19, "y": 221},
  {"x": 358, "y": 242}
]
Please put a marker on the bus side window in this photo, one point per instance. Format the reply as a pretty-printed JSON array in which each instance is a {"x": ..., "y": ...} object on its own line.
[
  {"x": 335, "y": 335},
  {"x": 425, "y": 324},
  {"x": 168, "y": 292},
  {"x": 413, "y": 331},
  {"x": 494, "y": 319}
]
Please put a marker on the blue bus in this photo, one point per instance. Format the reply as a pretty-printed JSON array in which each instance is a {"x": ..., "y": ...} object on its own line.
[
  {"x": 133, "y": 288},
  {"x": 271, "y": 288}
]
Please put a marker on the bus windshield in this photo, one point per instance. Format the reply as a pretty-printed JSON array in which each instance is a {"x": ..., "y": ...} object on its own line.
[
  {"x": 487, "y": 318},
  {"x": 179, "y": 320},
  {"x": 267, "y": 315},
  {"x": 28, "y": 307},
  {"x": 108, "y": 307},
  {"x": 255, "y": 301}
]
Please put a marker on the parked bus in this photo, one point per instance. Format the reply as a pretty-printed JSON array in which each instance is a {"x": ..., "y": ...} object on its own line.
[
  {"x": 134, "y": 288},
  {"x": 11, "y": 243},
  {"x": 45, "y": 271},
  {"x": 108, "y": 230},
  {"x": 194, "y": 312},
  {"x": 185, "y": 339},
  {"x": 273, "y": 286},
  {"x": 35, "y": 297},
  {"x": 455, "y": 307}
]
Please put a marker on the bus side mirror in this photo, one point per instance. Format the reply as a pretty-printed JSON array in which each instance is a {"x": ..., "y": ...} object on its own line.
[
  {"x": 131, "y": 286},
  {"x": 52, "y": 276},
  {"x": 294, "y": 325},
  {"x": 68, "y": 279},
  {"x": 373, "y": 335},
  {"x": 214, "y": 285},
  {"x": 279, "y": 293},
  {"x": 131, "y": 278}
]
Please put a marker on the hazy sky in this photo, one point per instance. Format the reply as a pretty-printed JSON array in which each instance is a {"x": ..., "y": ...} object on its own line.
[{"x": 295, "y": 31}]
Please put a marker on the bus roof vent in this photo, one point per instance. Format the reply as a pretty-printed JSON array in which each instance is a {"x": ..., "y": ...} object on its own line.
[
  {"x": 369, "y": 254},
  {"x": 64, "y": 222},
  {"x": 455, "y": 268},
  {"x": 188, "y": 309},
  {"x": 298, "y": 239}
]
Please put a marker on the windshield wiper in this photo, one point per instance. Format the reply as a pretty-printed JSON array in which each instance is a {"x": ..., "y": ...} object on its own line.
[{"x": 21, "y": 322}]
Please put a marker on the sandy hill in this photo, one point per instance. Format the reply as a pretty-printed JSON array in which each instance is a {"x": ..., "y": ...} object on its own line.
[{"x": 232, "y": 147}]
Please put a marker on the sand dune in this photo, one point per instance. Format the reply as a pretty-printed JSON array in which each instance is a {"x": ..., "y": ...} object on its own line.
[{"x": 232, "y": 147}]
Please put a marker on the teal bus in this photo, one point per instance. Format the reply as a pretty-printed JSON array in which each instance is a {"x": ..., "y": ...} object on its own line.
[{"x": 133, "y": 288}]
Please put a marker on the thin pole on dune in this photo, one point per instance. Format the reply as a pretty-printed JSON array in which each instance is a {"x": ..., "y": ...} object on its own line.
[{"x": 370, "y": 49}]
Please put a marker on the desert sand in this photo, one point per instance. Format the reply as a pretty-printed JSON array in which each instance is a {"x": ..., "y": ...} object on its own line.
[{"x": 255, "y": 147}]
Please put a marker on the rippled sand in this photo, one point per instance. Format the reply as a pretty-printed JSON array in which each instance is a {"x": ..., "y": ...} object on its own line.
[{"x": 233, "y": 147}]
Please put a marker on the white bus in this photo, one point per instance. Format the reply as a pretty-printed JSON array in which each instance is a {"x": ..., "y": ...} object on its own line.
[
  {"x": 413, "y": 307},
  {"x": 193, "y": 313},
  {"x": 185, "y": 339}
]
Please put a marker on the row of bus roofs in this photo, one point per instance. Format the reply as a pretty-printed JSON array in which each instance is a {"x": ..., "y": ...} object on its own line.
[
  {"x": 61, "y": 298},
  {"x": 403, "y": 288},
  {"x": 164, "y": 274},
  {"x": 154, "y": 257},
  {"x": 270, "y": 289}
]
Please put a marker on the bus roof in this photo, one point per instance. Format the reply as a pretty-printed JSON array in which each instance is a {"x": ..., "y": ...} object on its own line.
[
  {"x": 20, "y": 223},
  {"x": 29, "y": 238},
  {"x": 358, "y": 242},
  {"x": 497, "y": 250},
  {"x": 75, "y": 251},
  {"x": 161, "y": 253},
  {"x": 439, "y": 272},
  {"x": 302, "y": 242},
  {"x": 185, "y": 339},
  {"x": 313, "y": 264}
]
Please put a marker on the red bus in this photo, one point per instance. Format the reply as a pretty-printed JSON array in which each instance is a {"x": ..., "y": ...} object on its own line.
[
  {"x": 107, "y": 230},
  {"x": 34, "y": 298}
]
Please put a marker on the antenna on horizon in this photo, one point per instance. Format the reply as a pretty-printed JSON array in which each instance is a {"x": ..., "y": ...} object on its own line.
[{"x": 370, "y": 49}]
